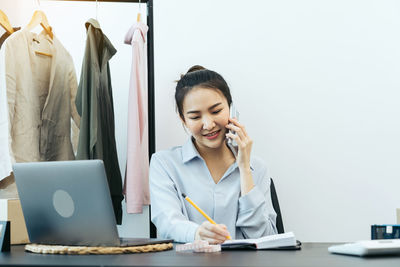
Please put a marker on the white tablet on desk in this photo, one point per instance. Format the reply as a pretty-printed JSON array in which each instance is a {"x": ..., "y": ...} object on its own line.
[{"x": 368, "y": 248}]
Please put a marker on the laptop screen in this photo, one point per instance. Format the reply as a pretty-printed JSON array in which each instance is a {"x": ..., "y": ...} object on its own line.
[{"x": 66, "y": 203}]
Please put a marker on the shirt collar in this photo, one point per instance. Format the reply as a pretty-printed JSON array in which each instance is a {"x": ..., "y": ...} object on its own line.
[
  {"x": 107, "y": 50},
  {"x": 190, "y": 152},
  {"x": 141, "y": 27},
  {"x": 92, "y": 22}
]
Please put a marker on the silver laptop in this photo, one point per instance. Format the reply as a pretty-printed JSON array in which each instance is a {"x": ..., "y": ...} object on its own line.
[{"x": 69, "y": 203}]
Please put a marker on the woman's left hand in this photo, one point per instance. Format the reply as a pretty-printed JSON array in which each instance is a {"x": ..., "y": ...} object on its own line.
[{"x": 244, "y": 143}]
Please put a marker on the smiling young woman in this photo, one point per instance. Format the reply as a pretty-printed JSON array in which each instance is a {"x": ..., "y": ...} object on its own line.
[{"x": 233, "y": 191}]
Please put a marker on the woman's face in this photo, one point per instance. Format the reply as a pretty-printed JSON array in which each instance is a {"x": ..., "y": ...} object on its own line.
[{"x": 206, "y": 113}]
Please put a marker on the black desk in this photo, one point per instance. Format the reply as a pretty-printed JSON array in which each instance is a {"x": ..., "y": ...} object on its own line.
[{"x": 312, "y": 254}]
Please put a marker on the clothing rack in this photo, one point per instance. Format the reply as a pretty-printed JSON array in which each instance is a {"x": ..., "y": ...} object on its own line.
[{"x": 150, "y": 78}]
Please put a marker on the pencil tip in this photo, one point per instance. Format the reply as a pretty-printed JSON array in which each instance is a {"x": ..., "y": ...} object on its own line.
[{"x": 184, "y": 195}]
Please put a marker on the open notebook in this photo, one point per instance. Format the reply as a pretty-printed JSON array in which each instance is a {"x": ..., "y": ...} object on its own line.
[{"x": 279, "y": 241}]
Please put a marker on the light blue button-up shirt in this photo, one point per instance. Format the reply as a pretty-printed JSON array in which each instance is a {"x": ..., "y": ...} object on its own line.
[{"x": 182, "y": 170}]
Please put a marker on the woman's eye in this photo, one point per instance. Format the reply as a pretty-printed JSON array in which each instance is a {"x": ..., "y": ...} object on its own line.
[
  {"x": 216, "y": 111},
  {"x": 195, "y": 118}
]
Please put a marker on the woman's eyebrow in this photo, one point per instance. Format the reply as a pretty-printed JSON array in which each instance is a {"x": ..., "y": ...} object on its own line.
[
  {"x": 196, "y": 111},
  {"x": 215, "y": 105}
]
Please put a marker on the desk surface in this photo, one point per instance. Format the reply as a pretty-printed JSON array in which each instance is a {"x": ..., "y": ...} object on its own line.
[{"x": 311, "y": 254}]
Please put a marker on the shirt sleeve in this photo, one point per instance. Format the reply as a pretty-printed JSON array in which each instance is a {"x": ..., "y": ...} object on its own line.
[
  {"x": 11, "y": 85},
  {"x": 75, "y": 118},
  {"x": 166, "y": 207},
  {"x": 5, "y": 161},
  {"x": 256, "y": 215},
  {"x": 73, "y": 85}
]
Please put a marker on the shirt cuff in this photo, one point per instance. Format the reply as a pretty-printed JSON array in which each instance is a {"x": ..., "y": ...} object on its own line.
[
  {"x": 191, "y": 231},
  {"x": 251, "y": 200}
]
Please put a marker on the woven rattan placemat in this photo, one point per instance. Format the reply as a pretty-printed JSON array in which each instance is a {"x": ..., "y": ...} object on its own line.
[{"x": 53, "y": 249}]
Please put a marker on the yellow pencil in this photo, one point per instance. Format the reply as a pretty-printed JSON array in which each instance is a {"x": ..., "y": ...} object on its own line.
[{"x": 201, "y": 211}]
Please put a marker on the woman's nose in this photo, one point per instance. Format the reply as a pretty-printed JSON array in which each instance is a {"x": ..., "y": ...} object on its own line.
[{"x": 208, "y": 123}]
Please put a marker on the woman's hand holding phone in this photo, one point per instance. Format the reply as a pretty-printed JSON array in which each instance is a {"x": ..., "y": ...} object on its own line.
[{"x": 243, "y": 141}]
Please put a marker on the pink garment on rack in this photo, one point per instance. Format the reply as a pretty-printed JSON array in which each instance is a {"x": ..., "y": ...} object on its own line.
[{"x": 136, "y": 186}]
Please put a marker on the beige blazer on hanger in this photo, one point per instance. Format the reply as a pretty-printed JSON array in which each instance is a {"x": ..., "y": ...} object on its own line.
[{"x": 41, "y": 94}]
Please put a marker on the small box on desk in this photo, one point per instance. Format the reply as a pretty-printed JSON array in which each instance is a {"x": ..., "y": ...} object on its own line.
[
  {"x": 10, "y": 210},
  {"x": 385, "y": 231}
]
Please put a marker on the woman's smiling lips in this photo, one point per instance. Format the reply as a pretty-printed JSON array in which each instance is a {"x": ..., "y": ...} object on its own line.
[{"x": 212, "y": 135}]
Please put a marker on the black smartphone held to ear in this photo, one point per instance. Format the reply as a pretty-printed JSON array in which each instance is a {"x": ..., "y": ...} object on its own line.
[{"x": 234, "y": 113}]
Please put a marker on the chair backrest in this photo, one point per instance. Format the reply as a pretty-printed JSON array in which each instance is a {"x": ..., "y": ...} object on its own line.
[{"x": 275, "y": 204}]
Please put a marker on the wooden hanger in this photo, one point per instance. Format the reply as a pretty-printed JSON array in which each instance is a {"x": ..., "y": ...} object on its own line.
[
  {"x": 43, "y": 53},
  {"x": 138, "y": 14},
  {"x": 5, "y": 23},
  {"x": 40, "y": 18}
]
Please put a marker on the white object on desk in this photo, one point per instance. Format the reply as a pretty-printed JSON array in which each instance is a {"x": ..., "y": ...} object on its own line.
[
  {"x": 265, "y": 242},
  {"x": 368, "y": 248},
  {"x": 198, "y": 246}
]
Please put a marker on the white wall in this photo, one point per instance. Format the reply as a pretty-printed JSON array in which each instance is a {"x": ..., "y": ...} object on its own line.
[
  {"x": 68, "y": 22},
  {"x": 317, "y": 86},
  {"x": 315, "y": 81}
]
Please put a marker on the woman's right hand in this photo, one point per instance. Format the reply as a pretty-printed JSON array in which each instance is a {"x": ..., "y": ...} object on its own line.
[{"x": 213, "y": 233}]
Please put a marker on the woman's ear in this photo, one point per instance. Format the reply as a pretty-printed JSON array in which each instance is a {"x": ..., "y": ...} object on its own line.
[{"x": 184, "y": 125}]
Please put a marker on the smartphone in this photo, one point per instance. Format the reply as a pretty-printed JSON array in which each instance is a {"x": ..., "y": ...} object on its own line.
[{"x": 233, "y": 113}]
